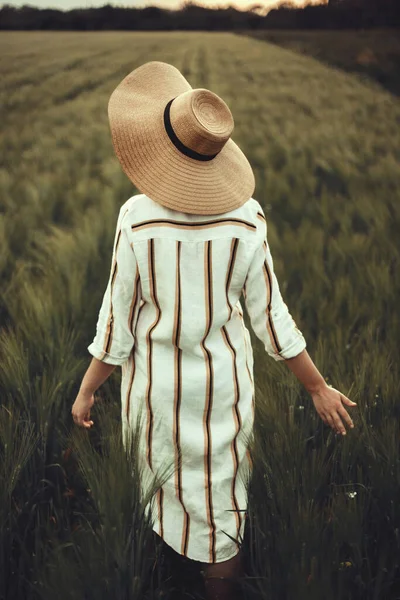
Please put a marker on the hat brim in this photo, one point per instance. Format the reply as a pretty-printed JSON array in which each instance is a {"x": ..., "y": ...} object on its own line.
[{"x": 152, "y": 162}]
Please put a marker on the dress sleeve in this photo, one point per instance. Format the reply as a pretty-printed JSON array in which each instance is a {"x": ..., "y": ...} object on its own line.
[
  {"x": 115, "y": 329},
  {"x": 269, "y": 315}
]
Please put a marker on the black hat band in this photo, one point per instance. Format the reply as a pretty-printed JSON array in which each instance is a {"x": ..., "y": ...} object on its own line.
[{"x": 176, "y": 141}]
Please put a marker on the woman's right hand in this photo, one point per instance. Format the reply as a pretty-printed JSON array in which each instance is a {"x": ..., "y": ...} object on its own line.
[{"x": 329, "y": 402}]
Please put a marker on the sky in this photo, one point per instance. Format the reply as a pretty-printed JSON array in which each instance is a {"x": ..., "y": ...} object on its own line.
[{"x": 68, "y": 4}]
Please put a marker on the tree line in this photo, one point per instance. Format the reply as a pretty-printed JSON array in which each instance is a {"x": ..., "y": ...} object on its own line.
[{"x": 338, "y": 14}]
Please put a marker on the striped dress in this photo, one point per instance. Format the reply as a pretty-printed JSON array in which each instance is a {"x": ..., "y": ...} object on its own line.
[{"x": 171, "y": 317}]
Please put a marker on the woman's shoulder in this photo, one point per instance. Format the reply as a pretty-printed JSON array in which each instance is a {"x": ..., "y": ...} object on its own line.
[
  {"x": 252, "y": 211},
  {"x": 131, "y": 202},
  {"x": 252, "y": 207}
]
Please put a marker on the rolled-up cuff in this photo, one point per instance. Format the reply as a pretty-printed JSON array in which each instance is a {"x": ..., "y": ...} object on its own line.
[
  {"x": 105, "y": 357},
  {"x": 293, "y": 350}
]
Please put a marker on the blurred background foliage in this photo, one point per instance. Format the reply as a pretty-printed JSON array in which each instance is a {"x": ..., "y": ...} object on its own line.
[{"x": 332, "y": 14}]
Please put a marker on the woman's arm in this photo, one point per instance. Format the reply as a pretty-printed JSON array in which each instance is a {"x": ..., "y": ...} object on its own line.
[
  {"x": 274, "y": 326},
  {"x": 115, "y": 329},
  {"x": 98, "y": 372},
  {"x": 269, "y": 315},
  {"x": 327, "y": 400},
  {"x": 94, "y": 377}
]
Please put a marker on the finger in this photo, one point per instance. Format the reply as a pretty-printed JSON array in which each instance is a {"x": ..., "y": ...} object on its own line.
[
  {"x": 86, "y": 416},
  {"x": 323, "y": 417},
  {"x": 330, "y": 421},
  {"x": 85, "y": 422},
  {"x": 77, "y": 420},
  {"x": 338, "y": 423},
  {"x": 345, "y": 415},
  {"x": 347, "y": 400},
  {"x": 332, "y": 424}
]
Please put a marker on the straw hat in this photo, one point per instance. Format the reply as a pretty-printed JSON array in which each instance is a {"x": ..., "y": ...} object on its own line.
[{"x": 174, "y": 143}]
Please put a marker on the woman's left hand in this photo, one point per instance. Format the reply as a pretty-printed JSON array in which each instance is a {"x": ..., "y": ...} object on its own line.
[{"x": 81, "y": 409}]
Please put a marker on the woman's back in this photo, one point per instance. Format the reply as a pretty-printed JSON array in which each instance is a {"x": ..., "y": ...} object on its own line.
[
  {"x": 171, "y": 317},
  {"x": 207, "y": 258}
]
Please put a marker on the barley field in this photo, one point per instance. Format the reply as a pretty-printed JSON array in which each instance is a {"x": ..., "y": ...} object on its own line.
[
  {"x": 324, "y": 512},
  {"x": 371, "y": 54}
]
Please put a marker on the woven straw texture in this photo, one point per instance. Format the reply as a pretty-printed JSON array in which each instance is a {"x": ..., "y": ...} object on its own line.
[{"x": 200, "y": 119}]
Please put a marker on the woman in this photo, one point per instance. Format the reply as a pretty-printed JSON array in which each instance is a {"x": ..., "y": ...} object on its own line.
[{"x": 185, "y": 250}]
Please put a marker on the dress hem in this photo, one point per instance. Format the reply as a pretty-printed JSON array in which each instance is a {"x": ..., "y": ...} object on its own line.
[{"x": 155, "y": 527}]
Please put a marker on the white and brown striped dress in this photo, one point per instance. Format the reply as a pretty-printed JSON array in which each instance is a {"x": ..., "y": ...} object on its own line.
[{"x": 171, "y": 317}]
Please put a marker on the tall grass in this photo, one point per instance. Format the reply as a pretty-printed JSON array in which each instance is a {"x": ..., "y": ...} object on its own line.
[
  {"x": 371, "y": 54},
  {"x": 324, "y": 517}
]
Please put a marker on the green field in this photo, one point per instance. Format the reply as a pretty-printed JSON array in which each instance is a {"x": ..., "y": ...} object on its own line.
[
  {"x": 324, "y": 513},
  {"x": 371, "y": 54}
]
